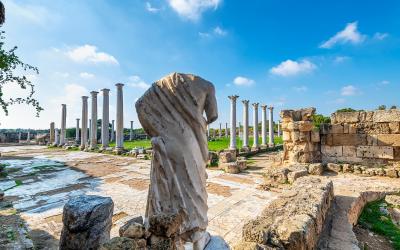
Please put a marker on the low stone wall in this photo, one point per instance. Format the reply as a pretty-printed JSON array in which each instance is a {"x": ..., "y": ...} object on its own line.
[
  {"x": 294, "y": 220},
  {"x": 367, "y": 136},
  {"x": 301, "y": 140}
]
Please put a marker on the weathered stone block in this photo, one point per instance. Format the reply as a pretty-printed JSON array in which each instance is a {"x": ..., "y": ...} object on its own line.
[
  {"x": 352, "y": 129},
  {"x": 315, "y": 137},
  {"x": 389, "y": 140},
  {"x": 277, "y": 176},
  {"x": 349, "y": 139},
  {"x": 324, "y": 128},
  {"x": 304, "y": 136},
  {"x": 347, "y": 168},
  {"x": 286, "y": 136},
  {"x": 123, "y": 243},
  {"x": 366, "y": 116},
  {"x": 232, "y": 168},
  {"x": 345, "y": 117},
  {"x": 350, "y": 151},
  {"x": 392, "y": 173},
  {"x": 292, "y": 176},
  {"x": 382, "y": 152},
  {"x": 292, "y": 126},
  {"x": 372, "y": 140},
  {"x": 133, "y": 230},
  {"x": 226, "y": 156},
  {"x": 316, "y": 169},
  {"x": 305, "y": 126},
  {"x": 391, "y": 115},
  {"x": 332, "y": 151},
  {"x": 297, "y": 115},
  {"x": 87, "y": 222},
  {"x": 165, "y": 224},
  {"x": 346, "y": 128},
  {"x": 336, "y": 129},
  {"x": 295, "y": 135},
  {"x": 242, "y": 164},
  {"x": 394, "y": 127},
  {"x": 334, "y": 167}
]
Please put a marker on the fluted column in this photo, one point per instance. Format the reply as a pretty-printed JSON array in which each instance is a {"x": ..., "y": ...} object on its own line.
[
  {"x": 131, "y": 132},
  {"x": 51, "y": 140},
  {"x": 119, "y": 145},
  {"x": 105, "y": 120},
  {"x": 56, "y": 137},
  {"x": 93, "y": 127},
  {"x": 233, "y": 99},
  {"x": 77, "y": 131},
  {"x": 63, "y": 124},
  {"x": 271, "y": 142},
  {"x": 220, "y": 130},
  {"x": 112, "y": 130},
  {"x": 255, "y": 126},
  {"x": 245, "y": 124},
  {"x": 264, "y": 125},
  {"x": 90, "y": 130},
  {"x": 84, "y": 130}
]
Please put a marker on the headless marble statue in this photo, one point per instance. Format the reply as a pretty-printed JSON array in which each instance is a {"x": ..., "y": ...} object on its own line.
[{"x": 171, "y": 112}]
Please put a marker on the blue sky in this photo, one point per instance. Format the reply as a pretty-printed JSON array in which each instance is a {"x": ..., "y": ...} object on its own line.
[{"x": 289, "y": 54}]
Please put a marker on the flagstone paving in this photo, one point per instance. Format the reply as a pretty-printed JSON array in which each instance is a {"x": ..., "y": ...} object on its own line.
[{"x": 51, "y": 176}]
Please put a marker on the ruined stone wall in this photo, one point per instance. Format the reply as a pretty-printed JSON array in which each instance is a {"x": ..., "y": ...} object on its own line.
[
  {"x": 370, "y": 137},
  {"x": 301, "y": 139}
]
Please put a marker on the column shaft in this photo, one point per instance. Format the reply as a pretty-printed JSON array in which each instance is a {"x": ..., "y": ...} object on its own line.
[
  {"x": 77, "y": 130},
  {"x": 245, "y": 123},
  {"x": 271, "y": 127},
  {"x": 131, "y": 132},
  {"x": 264, "y": 125},
  {"x": 84, "y": 130},
  {"x": 63, "y": 124},
  {"x": 51, "y": 139},
  {"x": 120, "y": 118},
  {"x": 105, "y": 120},
  {"x": 93, "y": 128},
  {"x": 255, "y": 128},
  {"x": 232, "y": 144}
]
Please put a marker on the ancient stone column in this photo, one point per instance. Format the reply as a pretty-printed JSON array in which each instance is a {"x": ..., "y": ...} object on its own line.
[
  {"x": 220, "y": 130},
  {"x": 19, "y": 137},
  {"x": 255, "y": 126},
  {"x": 56, "y": 137},
  {"x": 131, "y": 132},
  {"x": 90, "y": 131},
  {"x": 226, "y": 130},
  {"x": 51, "y": 140},
  {"x": 112, "y": 130},
  {"x": 63, "y": 124},
  {"x": 271, "y": 142},
  {"x": 105, "y": 120},
  {"x": 28, "y": 137},
  {"x": 279, "y": 128},
  {"x": 245, "y": 124},
  {"x": 84, "y": 131},
  {"x": 119, "y": 145},
  {"x": 93, "y": 128},
  {"x": 264, "y": 125},
  {"x": 232, "y": 144},
  {"x": 77, "y": 130}
]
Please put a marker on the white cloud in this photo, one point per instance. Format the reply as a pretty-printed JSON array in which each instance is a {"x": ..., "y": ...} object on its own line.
[
  {"x": 137, "y": 82},
  {"x": 243, "y": 81},
  {"x": 384, "y": 82},
  {"x": 151, "y": 9},
  {"x": 340, "y": 59},
  {"x": 89, "y": 53},
  {"x": 219, "y": 31},
  {"x": 73, "y": 93},
  {"x": 86, "y": 75},
  {"x": 350, "y": 34},
  {"x": 380, "y": 36},
  {"x": 192, "y": 9},
  {"x": 349, "y": 90},
  {"x": 290, "y": 68},
  {"x": 35, "y": 14},
  {"x": 300, "y": 88}
]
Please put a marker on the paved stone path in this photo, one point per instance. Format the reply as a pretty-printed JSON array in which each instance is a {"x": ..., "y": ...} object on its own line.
[{"x": 233, "y": 199}]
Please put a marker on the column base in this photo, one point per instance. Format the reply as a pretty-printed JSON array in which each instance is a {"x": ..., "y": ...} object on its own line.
[
  {"x": 271, "y": 145},
  {"x": 245, "y": 149},
  {"x": 255, "y": 148},
  {"x": 118, "y": 150}
]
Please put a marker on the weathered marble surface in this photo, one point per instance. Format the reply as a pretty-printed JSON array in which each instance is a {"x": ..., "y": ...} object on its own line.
[{"x": 171, "y": 112}]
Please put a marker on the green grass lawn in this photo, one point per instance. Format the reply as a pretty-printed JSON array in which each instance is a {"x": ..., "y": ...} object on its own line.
[
  {"x": 380, "y": 223},
  {"x": 218, "y": 144}
]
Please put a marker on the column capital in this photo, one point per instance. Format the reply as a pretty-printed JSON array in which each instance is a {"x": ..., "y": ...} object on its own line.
[
  {"x": 245, "y": 102},
  {"x": 64, "y": 105},
  {"x": 78, "y": 119},
  {"x": 264, "y": 107},
  {"x": 105, "y": 90},
  {"x": 131, "y": 122},
  {"x": 270, "y": 107},
  {"x": 94, "y": 93},
  {"x": 233, "y": 97},
  {"x": 119, "y": 85},
  {"x": 85, "y": 97},
  {"x": 255, "y": 105}
]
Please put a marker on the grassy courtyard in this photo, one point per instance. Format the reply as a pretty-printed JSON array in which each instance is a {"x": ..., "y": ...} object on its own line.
[{"x": 218, "y": 144}]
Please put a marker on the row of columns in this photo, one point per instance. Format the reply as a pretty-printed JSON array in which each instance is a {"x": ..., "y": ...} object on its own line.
[{"x": 256, "y": 145}]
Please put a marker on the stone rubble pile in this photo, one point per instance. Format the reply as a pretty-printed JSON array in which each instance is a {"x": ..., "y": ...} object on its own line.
[{"x": 294, "y": 220}]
